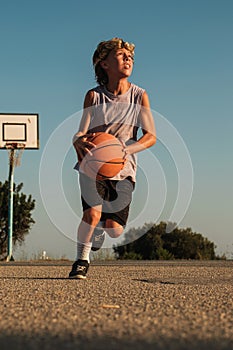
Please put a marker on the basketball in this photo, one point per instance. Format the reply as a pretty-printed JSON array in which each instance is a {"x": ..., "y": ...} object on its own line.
[{"x": 107, "y": 158}]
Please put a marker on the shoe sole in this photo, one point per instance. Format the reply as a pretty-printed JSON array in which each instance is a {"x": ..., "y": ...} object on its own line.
[
  {"x": 95, "y": 249},
  {"x": 79, "y": 277}
]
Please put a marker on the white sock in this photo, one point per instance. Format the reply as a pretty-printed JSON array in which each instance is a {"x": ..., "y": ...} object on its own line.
[{"x": 83, "y": 251}]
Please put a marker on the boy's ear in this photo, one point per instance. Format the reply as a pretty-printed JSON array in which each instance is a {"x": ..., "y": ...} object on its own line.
[{"x": 104, "y": 64}]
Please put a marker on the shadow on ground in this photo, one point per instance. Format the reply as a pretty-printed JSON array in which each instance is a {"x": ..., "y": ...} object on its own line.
[{"x": 71, "y": 342}]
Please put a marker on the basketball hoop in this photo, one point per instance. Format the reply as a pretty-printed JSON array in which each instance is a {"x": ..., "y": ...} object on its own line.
[
  {"x": 15, "y": 151},
  {"x": 18, "y": 132}
]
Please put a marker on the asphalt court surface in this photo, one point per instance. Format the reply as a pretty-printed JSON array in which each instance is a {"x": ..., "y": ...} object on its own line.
[{"x": 121, "y": 305}]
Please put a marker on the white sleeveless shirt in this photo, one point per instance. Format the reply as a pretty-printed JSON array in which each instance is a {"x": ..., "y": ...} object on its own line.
[{"x": 119, "y": 116}]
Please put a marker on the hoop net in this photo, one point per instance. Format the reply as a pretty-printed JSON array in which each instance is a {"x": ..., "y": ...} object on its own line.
[{"x": 15, "y": 151}]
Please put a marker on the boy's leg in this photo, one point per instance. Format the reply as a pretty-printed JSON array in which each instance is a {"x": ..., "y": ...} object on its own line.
[
  {"x": 117, "y": 195},
  {"x": 92, "y": 205},
  {"x": 98, "y": 236},
  {"x": 116, "y": 210},
  {"x": 113, "y": 228},
  {"x": 116, "y": 205},
  {"x": 90, "y": 219}
]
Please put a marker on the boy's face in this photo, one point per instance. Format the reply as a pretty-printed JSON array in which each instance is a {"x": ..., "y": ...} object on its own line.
[{"x": 119, "y": 62}]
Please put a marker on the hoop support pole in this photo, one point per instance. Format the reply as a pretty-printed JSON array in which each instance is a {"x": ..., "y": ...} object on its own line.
[{"x": 10, "y": 204}]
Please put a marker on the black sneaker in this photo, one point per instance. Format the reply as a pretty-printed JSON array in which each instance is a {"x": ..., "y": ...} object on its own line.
[
  {"x": 79, "y": 269},
  {"x": 97, "y": 239}
]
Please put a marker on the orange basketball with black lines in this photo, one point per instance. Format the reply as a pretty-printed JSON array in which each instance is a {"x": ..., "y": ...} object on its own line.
[{"x": 107, "y": 158}]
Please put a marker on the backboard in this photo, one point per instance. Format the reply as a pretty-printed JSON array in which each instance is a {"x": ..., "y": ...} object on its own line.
[{"x": 19, "y": 129}]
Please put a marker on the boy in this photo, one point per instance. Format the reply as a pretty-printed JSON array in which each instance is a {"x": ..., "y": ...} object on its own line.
[{"x": 118, "y": 107}]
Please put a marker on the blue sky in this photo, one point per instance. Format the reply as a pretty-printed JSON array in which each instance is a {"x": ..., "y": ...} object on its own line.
[{"x": 183, "y": 58}]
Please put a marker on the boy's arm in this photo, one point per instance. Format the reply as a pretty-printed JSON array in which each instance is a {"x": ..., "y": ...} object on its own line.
[
  {"x": 86, "y": 116},
  {"x": 148, "y": 128},
  {"x": 80, "y": 142}
]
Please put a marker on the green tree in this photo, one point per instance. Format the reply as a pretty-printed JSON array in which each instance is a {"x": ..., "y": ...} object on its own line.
[
  {"x": 185, "y": 244},
  {"x": 22, "y": 218},
  {"x": 157, "y": 244}
]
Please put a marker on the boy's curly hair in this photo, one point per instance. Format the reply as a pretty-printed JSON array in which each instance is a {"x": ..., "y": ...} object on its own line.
[{"x": 101, "y": 53}]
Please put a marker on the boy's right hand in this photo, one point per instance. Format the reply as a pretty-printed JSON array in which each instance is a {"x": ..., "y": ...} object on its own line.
[{"x": 83, "y": 145}]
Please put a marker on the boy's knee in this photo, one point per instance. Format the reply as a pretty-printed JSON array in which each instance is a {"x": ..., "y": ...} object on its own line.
[{"x": 91, "y": 216}]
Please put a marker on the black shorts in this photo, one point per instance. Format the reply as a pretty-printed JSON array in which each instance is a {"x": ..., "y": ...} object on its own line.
[{"x": 114, "y": 196}]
